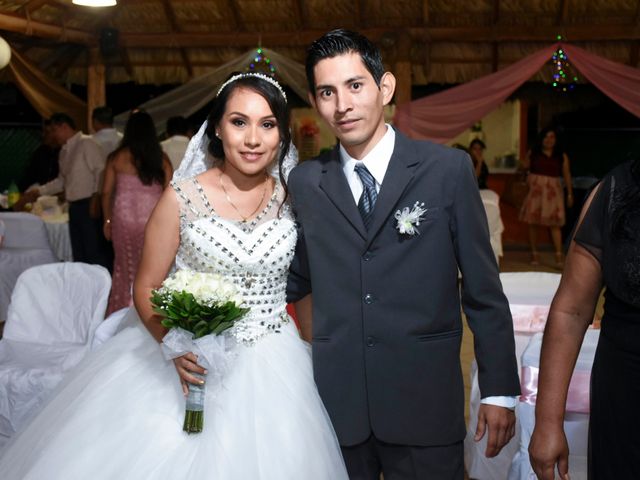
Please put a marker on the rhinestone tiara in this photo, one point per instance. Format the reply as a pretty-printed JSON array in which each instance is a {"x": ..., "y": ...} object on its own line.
[{"x": 262, "y": 76}]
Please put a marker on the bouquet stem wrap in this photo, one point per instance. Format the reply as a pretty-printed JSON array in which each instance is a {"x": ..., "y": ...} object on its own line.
[{"x": 214, "y": 354}]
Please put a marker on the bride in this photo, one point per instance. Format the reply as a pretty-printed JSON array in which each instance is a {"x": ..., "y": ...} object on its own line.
[{"x": 120, "y": 414}]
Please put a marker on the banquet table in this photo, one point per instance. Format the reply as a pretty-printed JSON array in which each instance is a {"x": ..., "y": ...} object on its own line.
[{"x": 59, "y": 238}]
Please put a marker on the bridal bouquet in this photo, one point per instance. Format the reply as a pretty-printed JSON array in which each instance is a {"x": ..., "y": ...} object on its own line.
[{"x": 196, "y": 307}]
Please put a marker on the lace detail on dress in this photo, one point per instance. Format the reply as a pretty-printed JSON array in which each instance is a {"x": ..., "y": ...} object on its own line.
[
  {"x": 628, "y": 250},
  {"x": 254, "y": 255}
]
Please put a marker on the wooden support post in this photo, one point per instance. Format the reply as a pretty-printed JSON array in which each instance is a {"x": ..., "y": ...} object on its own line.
[
  {"x": 402, "y": 68},
  {"x": 523, "y": 141}
]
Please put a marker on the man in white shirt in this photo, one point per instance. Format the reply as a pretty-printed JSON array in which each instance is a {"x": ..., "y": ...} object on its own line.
[
  {"x": 106, "y": 136},
  {"x": 81, "y": 163},
  {"x": 176, "y": 145}
]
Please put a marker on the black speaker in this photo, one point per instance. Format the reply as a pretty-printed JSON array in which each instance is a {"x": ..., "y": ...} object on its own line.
[{"x": 108, "y": 41}]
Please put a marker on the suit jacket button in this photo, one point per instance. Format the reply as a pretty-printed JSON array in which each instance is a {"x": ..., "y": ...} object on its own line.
[
  {"x": 367, "y": 256},
  {"x": 371, "y": 341},
  {"x": 368, "y": 299}
]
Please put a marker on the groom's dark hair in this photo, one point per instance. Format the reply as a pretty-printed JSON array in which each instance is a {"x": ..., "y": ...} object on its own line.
[{"x": 340, "y": 42}]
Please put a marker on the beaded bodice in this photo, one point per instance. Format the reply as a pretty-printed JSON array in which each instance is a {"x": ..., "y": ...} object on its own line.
[{"x": 254, "y": 255}]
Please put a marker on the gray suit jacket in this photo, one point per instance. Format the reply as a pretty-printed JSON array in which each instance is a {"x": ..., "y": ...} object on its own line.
[{"x": 387, "y": 323}]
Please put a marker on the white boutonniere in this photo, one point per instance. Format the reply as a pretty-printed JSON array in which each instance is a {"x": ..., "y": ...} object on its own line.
[{"x": 409, "y": 219}]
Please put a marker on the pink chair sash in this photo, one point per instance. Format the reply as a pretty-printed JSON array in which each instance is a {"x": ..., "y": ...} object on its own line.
[
  {"x": 529, "y": 318},
  {"x": 577, "y": 397}
]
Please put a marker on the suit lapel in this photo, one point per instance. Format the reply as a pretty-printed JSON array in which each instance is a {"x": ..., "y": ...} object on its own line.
[
  {"x": 335, "y": 185},
  {"x": 399, "y": 173}
]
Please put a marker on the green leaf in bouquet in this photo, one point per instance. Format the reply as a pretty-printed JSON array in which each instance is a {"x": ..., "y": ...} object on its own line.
[
  {"x": 222, "y": 327},
  {"x": 167, "y": 323},
  {"x": 201, "y": 324}
]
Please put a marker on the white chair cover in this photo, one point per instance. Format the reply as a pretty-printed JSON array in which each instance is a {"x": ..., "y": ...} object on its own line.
[
  {"x": 25, "y": 245},
  {"x": 576, "y": 424},
  {"x": 491, "y": 202},
  {"x": 522, "y": 289},
  {"x": 54, "y": 312}
]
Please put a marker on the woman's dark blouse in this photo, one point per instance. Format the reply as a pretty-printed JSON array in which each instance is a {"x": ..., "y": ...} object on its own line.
[{"x": 619, "y": 256}]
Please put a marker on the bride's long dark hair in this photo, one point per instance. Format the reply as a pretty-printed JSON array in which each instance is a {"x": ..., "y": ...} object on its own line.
[{"x": 278, "y": 105}]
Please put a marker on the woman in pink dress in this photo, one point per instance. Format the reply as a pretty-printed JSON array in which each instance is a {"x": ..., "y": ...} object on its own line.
[{"x": 134, "y": 178}]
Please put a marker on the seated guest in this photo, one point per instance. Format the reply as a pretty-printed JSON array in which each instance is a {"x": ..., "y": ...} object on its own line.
[
  {"x": 476, "y": 150},
  {"x": 106, "y": 136},
  {"x": 134, "y": 178},
  {"x": 176, "y": 144},
  {"x": 43, "y": 164}
]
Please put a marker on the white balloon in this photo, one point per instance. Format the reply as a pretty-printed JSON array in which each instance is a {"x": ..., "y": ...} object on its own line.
[{"x": 5, "y": 53}]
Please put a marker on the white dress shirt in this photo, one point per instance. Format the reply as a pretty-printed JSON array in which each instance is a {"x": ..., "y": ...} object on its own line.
[
  {"x": 81, "y": 163},
  {"x": 108, "y": 138},
  {"x": 377, "y": 162},
  {"x": 175, "y": 148}
]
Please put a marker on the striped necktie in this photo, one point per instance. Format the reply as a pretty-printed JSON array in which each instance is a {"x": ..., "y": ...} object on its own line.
[{"x": 369, "y": 194}]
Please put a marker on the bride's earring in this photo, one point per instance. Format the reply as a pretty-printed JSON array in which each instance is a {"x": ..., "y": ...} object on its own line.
[{"x": 217, "y": 134}]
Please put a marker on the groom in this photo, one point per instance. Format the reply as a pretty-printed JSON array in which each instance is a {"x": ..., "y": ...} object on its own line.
[{"x": 385, "y": 224}]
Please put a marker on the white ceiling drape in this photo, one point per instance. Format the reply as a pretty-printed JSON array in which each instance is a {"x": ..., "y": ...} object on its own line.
[{"x": 193, "y": 95}]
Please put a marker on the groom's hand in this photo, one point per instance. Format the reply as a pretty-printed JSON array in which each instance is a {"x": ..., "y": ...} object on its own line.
[{"x": 501, "y": 423}]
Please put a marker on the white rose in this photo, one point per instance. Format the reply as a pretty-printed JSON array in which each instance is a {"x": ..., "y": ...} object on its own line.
[
  {"x": 237, "y": 299},
  {"x": 227, "y": 291}
]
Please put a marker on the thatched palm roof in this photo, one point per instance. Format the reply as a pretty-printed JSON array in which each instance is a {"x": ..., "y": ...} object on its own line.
[{"x": 446, "y": 41}]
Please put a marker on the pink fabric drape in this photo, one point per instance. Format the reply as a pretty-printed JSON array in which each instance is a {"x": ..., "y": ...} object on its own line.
[
  {"x": 442, "y": 116},
  {"x": 619, "y": 82}
]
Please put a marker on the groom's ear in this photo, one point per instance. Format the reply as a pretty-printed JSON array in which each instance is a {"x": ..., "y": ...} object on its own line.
[{"x": 387, "y": 87}]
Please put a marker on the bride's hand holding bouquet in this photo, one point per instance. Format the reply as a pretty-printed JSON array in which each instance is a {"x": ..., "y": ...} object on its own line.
[{"x": 196, "y": 308}]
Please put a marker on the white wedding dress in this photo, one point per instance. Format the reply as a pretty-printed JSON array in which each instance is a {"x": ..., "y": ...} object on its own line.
[{"x": 119, "y": 415}]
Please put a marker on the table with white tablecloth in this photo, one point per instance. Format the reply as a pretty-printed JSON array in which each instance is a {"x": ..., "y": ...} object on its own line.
[{"x": 59, "y": 238}]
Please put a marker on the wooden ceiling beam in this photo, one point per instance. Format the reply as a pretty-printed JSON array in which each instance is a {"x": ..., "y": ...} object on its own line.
[
  {"x": 173, "y": 26},
  {"x": 358, "y": 5},
  {"x": 563, "y": 12},
  {"x": 26, "y": 27},
  {"x": 495, "y": 19},
  {"x": 33, "y": 5},
  {"x": 485, "y": 60},
  {"x": 126, "y": 61},
  {"x": 425, "y": 12},
  {"x": 634, "y": 53},
  {"x": 300, "y": 13},
  {"x": 592, "y": 33},
  {"x": 238, "y": 25},
  {"x": 576, "y": 33}
]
